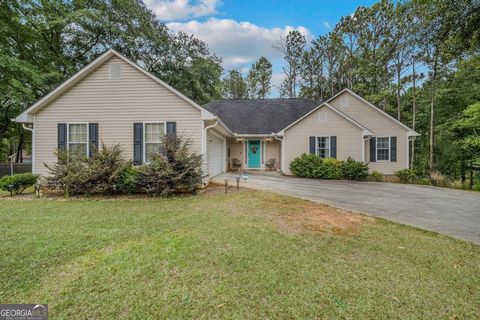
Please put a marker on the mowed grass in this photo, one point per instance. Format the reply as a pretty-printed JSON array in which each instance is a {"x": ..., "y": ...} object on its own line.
[{"x": 247, "y": 255}]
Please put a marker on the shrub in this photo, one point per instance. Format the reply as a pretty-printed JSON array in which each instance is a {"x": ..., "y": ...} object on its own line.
[
  {"x": 97, "y": 174},
  {"x": 424, "y": 181},
  {"x": 307, "y": 165},
  {"x": 174, "y": 168},
  {"x": 126, "y": 180},
  {"x": 476, "y": 186},
  {"x": 406, "y": 175},
  {"x": 332, "y": 169},
  {"x": 18, "y": 182},
  {"x": 354, "y": 170},
  {"x": 376, "y": 176},
  {"x": 437, "y": 179}
]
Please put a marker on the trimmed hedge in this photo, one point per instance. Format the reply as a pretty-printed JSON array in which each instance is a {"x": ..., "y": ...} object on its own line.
[
  {"x": 312, "y": 166},
  {"x": 18, "y": 182}
]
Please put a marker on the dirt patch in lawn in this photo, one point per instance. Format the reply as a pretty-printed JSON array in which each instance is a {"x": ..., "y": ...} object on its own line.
[{"x": 314, "y": 217}]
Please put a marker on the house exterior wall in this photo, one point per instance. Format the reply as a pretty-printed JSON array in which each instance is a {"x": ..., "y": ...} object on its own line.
[
  {"x": 115, "y": 105},
  {"x": 381, "y": 125},
  {"x": 296, "y": 139},
  {"x": 272, "y": 151}
]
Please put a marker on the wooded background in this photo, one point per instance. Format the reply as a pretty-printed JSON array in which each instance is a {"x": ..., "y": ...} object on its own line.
[{"x": 418, "y": 60}]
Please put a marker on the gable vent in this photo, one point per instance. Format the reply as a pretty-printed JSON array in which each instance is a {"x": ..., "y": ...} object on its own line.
[
  {"x": 344, "y": 103},
  {"x": 322, "y": 116},
  {"x": 116, "y": 71}
]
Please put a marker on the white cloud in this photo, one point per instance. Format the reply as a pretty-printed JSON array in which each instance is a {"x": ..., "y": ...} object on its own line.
[
  {"x": 168, "y": 10},
  {"x": 327, "y": 25},
  {"x": 238, "y": 43}
]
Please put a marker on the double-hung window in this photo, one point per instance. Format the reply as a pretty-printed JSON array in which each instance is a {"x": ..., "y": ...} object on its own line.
[
  {"x": 153, "y": 133},
  {"x": 323, "y": 147},
  {"x": 383, "y": 148},
  {"x": 78, "y": 139}
]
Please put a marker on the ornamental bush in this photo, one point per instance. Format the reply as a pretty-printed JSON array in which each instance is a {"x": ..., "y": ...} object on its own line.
[
  {"x": 17, "y": 183},
  {"x": 406, "y": 175},
  {"x": 174, "y": 168},
  {"x": 376, "y": 176},
  {"x": 307, "y": 165},
  {"x": 75, "y": 175},
  {"x": 354, "y": 170}
]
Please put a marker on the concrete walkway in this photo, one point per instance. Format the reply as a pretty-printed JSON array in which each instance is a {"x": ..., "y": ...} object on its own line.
[{"x": 452, "y": 212}]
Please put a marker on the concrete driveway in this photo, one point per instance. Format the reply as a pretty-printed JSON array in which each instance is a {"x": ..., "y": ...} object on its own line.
[{"x": 452, "y": 212}]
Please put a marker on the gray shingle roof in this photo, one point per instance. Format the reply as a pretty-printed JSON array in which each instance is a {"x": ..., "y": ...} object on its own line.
[{"x": 260, "y": 116}]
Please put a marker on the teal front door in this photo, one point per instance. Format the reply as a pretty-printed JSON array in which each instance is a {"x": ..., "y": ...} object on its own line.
[{"x": 254, "y": 153}]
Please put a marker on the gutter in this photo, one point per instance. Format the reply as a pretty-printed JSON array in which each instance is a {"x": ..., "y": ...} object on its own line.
[{"x": 204, "y": 147}]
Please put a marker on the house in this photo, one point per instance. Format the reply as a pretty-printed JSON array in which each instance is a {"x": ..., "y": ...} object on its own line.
[{"x": 115, "y": 101}]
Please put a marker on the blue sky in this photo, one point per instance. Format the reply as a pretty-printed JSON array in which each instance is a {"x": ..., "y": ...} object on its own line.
[{"x": 242, "y": 31}]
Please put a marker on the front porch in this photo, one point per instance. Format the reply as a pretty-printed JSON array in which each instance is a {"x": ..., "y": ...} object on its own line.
[{"x": 259, "y": 153}]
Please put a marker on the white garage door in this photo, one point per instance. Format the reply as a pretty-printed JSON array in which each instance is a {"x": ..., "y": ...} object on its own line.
[{"x": 215, "y": 154}]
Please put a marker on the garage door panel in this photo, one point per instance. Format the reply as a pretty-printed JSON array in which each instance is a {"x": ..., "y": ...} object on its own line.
[{"x": 215, "y": 154}]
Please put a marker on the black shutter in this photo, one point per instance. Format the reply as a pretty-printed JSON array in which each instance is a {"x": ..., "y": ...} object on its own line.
[
  {"x": 137, "y": 143},
  {"x": 333, "y": 146},
  {"x": 171, "y": 129},
  {"x": 312, "y": 145},
  {"x": 62, "y": 136},
  {"x": 373, "y": 149},
  {"x": 93, "y": 137},
  {"x": 393, "y": 149}
]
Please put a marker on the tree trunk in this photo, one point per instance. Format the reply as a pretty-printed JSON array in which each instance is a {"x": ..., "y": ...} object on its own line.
[
  {"x": 21, "y": 139},
  {"x": 399, "y": 105},
  {"x": 414, "y": 114},
  {"x": 432, "y": 113}
]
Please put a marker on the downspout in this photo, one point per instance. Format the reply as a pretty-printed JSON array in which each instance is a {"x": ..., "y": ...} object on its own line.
[
  {"x": 281, "y": 153},
  {"x": 205, "y": 143}
]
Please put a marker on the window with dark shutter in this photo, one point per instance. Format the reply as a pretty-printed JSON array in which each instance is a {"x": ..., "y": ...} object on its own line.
[
  {"x": 137, "y": 143},
  {"x": 333, "y": 146},
  {"x": 93, "y": 137},
  {"x": 373, "y": 149},
  {"x": 393, "y": 149},
  {"x": 171, "y": 129},
  {"x": 312, "y": 145},
  {"x": 62, "y": 137}
]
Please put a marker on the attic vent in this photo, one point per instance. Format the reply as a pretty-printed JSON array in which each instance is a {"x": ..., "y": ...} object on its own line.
[
  {"x": 116, "y": 71},
  {"x": 322, "y": 116},
  {"x": 344, "y": 103}
]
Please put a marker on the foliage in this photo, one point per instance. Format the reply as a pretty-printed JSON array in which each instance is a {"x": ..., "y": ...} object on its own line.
[
  {"x": 17, "y": 183},
  {"x": 172, "y": 169},
  {"x": 406, "y": 175},
  {"x": 438, "y": 179},
  {"x": 307, "y": 165},
  {"x": 234, "y": 86},
  {"x": 354, "y": 170},
  {"x": 312, "y": 166},
  {"x": 376, "y": 176},
  {"x": 126, "y": 180},
  {"x": 97, "y": 174},
  {"x": 258, "y": 79}
]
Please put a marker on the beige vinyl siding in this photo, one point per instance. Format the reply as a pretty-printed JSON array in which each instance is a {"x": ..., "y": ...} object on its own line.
[
  {"x": 381, "y": 125},
  {"x": 272, "y": 151},
  {"x": 349, "y": 136},
  {"x": 236, "y": 151},
  {"x": 115, "y": 105}
]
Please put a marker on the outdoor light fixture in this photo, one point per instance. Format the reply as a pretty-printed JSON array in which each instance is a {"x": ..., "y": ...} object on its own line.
[
  {"x": 226, "y": 185},
  {"x": 37, "y": 189},
  {"x": 10, "y": 188}
]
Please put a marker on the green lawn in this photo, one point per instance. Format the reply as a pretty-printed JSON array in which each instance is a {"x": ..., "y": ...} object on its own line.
[{"x": 250, "y": 255}]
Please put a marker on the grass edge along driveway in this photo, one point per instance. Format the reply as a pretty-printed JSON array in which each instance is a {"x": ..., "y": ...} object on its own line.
[{"x": 245, "y": 255}]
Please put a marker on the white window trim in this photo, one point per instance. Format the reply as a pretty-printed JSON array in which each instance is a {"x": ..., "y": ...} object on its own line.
[
  {"x": 329, "y": 146},
  {"x": 143, "y": 137},
  {"x": 88, "y": 136},
  {"x": 389, "y": 149}
]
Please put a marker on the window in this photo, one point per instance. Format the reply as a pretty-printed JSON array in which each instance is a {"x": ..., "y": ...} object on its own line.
[
  {"x": 323, "y": 147},
  {"x": 383, "y": 148},
  {"x": 78, "y": 139},
  {"x": 153, "y": 133}
]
